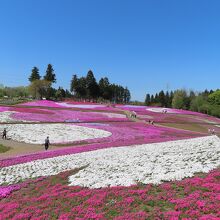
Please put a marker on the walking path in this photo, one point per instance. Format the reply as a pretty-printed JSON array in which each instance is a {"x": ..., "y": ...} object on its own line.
[{"x": 20, "y": 148}]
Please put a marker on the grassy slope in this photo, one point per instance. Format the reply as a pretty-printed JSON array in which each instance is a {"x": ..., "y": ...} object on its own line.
[{"x": 3, "y": 148}]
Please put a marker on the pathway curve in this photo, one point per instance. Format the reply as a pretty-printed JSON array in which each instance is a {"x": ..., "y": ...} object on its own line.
[{"x": 21, "y": 148}]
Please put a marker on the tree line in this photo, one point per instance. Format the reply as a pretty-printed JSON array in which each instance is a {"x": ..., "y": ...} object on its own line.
[
  {"x": 160, "y": 99},
  {"x": 88, "y": 88},
  {"x": 41, "y": 86},
  {"x": 207, "y": 101}
]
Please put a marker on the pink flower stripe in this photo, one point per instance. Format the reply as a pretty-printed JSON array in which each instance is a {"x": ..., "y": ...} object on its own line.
[
  {"x": 45, "y": 103},
  {"x": 79, "y": 105},
  {"x": 3, "y": 109},
  {"x": 191, "y": 198},
  {"x": 91, "y": 106},
  {"x": 123, "y": 134},
  {"x": 7, "y": 190},
  {"x": 64, "y": 115}
]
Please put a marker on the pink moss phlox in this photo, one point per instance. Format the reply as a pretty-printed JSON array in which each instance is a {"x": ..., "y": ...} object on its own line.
[
  {"x": 44, "y": 103},
  {"x": 6, "y": 190},
  {"x": 3, "y": 108},
  {"x": 123, "y": 134},
  {"x": 165, "y": 201}
]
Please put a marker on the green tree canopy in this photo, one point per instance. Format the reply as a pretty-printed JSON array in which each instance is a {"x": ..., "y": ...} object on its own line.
[
  {"x": 104, "y": 87},
  {"x": 91, "y": 85},
  {"x": 214, "y": 98},
  {"x": 162, "y": 98},
  {"x": 34, "y": 74},
  {"x": 39, "y": 88},
  {"x": 179, "y": 99},
  {"x": 147, "y": 99},
  {"x": 50, "y": 75},
  {"x": 74, "y": 84}
]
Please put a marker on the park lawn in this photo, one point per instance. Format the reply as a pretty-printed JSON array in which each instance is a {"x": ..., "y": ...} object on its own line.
[{"x": 3, "y": 148}]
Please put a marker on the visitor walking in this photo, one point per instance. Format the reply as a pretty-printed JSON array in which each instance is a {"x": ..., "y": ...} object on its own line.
[
  {"x": 213, "y": 131},
  {"x": 47, "y": 143},
  {"x": 4, "y": 134},
  {"x": 134, "y": 114}
]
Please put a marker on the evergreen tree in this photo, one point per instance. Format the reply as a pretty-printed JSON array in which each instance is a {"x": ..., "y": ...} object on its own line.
[
  {"x": 152, "y": 99},
  {"x": 81, "y": 90},
  {"x": 51, "y": 92},
  {"x": 189, "y": 99},
  {"x": 104, "y": 87},
  {"x": 147, "y": 100},
  {"x": 127, "y": 95},
  {"x": 167, "y": 100},
  {"x": 161, "y": 98},
  {"x": 68, "y": 94},
  {"x": 74, "y": 84},
  {"x": 60, "y": 93},
  {"x": 34, "y": 74},
  {"x": 171, "y": 98},
  {"x": 156, "y": 98},
  {"x": 91, "y": 85},
  {"x": 87, "y": 87},
  {"x": 50, "y": 75}
]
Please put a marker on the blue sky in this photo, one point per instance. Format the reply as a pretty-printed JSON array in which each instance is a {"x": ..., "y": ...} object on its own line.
[{"x": 147, "y": 45}]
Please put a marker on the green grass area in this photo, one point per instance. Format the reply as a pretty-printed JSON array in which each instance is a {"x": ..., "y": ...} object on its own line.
[
  {"x": 13, "y": 101},
  {"x": 187, "y": 126},
  {"x": 3, "y": 148}
]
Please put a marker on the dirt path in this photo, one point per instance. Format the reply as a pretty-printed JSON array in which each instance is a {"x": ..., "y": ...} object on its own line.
[{"x": 20, "y": 148}]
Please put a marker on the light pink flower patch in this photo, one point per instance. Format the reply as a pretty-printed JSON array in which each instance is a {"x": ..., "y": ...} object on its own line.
[
  {"x": 65, "y": 115},
  {"x": 3, "y": 109},
  {"x": 45, "y": 103}
]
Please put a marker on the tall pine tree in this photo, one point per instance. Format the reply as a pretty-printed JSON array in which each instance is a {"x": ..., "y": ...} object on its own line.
[
  {"x": 147, "y": 100},
  {"x": 50, "y": 75},
  {"x": 127, "y": 95},
  {"x": 91, "y": 86},
  {"x": 34, "y": 74},
  {"x": 74, "y": 84},
  {"x": 161, "y": 98}
]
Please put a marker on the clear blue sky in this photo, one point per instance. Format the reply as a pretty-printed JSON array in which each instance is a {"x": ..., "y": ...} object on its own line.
[{"x": 147, "y": 45}]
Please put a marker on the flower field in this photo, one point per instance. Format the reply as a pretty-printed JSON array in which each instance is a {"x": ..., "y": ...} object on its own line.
[{"x": 107, "y": 165}]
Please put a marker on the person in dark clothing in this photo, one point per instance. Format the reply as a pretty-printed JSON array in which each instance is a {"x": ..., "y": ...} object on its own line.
[
  {"x": 4, "y": 134},
  {"x": 47, "y": 143}
]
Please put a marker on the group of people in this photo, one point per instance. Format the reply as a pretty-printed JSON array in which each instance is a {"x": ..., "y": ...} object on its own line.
[{"x": 46, "y": 142}]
